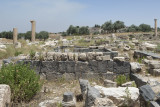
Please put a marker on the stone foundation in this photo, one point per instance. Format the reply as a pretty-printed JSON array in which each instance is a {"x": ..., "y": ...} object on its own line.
[{"x": 78, "y": 69}]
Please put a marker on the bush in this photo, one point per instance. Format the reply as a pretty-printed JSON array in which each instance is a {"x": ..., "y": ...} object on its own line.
[
  {"x": 121, "y": 79},
  {"x": 23, "y": 81}
]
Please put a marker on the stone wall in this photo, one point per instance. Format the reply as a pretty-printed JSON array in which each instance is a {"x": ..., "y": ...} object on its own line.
[
  {"x": 79, "y": 69},
  {"x": 102, "y": 49},
  {"x": 141, "y": 54}
]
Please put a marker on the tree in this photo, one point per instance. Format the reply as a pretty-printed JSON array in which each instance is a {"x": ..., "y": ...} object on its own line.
[
  {"x": 21, "y": 35},
  {"x": 83, "y": 30},
  {"x": 42, "y": 35},
  {"x": 108, "y": 26},
  {"x": 133, "y": 28},
  {"x": 28, "y": 35},
  {"x": 72, "y": 30},
  {"x": 97, "y": 26},
  {"x": 6, "y": 34},
  {"x": 144, "y": 27},
  {"x": 64, "y": 34},
  {"x": 118, "y": 25}
]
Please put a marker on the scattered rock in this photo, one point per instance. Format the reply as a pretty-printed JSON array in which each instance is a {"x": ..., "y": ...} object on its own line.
[
  {"x": 7, "y": 61},
  {"x": 109, "y": 83},
  {"x": 83, "y": 85},
  {"x": 2, "y": 46},
  {"x": 68, "y": 100},
  {"x": 147, "y": 93},
  {"x": 104, "y": 102},
  {"x": 135, "y": 67},
  {"x": 154, "y": 72},
  {"x": 119, "y": 95},
  {"x": 91, "y": 96},
  {"x": 119, "y": 59},
  {"x": 3, "y": 50},
  {"x": 128, "y": 84},
  {"x": 127, "y": 48},
  {"x": 18, "y": 45},
  {"x": 5, "y": 95},
  {"x": 48, "y": 103},
  {"x": 150, "y": 46},
  {"x": 154, "y": 64}
]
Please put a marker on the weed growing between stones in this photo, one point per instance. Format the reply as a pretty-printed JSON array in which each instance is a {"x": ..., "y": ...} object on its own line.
[
  {"x": 17, "y": 53},
  {"x": 32, "y": 54},
  {"x": 127, "y": 98},
  {"x": 59, "y": 104},
  {"x": 121, "y": 79},
  {"x": 139, "y": 60},
  {"x": 23, "y": 81},
  {"x": 133, "y": 84}
]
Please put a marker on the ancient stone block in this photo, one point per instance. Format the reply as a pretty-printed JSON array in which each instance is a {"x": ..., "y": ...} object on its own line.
[
  {"x": 104, "y": 66},
  {"x": 82, "y": 57},
  {"x": 70, "y": 66},
  {"x": 49, "y": 66},
  {"x": 121, "y": 67},
  {"x": 62, "y": 68},
  {"x": 64, "y": 57},
  {"x": 5, "y": 95},
  {"x": 93, "y": 65},
  {"x": 109, "y": 83},
  {"x": 147, "y": 93}
]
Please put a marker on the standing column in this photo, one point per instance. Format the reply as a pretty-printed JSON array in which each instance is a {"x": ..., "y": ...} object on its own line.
[
  {"x": 33, "y": 34},
  {"x": 155, "y": 20},
  {"x": 15, "y": 33}
]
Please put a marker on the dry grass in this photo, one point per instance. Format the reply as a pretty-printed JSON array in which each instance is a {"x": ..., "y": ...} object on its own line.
[{"x": 25, "y": 49}]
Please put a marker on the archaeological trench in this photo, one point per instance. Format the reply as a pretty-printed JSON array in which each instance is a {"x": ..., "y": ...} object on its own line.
[{"x": 125, "y": 55}]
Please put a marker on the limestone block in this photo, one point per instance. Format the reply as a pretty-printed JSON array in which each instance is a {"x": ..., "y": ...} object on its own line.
[{"x": 5, "y": 95}]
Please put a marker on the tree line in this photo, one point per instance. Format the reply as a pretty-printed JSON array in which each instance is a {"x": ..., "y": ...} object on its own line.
[
  {"x": 107, "y": 27},
  {"x": 76, "y": 30},
  {"x": 43, "y": 35}
]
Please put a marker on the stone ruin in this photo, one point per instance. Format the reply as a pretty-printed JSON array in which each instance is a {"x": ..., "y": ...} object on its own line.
[{"x": 100, "y": 61}]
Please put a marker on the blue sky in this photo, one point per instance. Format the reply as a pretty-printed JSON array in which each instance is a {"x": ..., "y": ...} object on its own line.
[{"x": 57, "y": 15}]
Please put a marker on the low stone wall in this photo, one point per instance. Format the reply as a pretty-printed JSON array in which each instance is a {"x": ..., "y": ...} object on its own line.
[
  {"x": 97, "y": 49},
  {"x": 58, "y": 56},
  {"x": 141, "y": 54},
  {"x": 78, "y": 69}
]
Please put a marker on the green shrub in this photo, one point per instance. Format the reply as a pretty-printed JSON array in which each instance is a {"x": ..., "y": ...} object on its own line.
[
  {"x": 17, "y": 53},
  {"x": 32, "y": 54},
  {"x": 59, "y": 104},
  {"x": 133, "y": 84},
  {"x": 121, "y": 79},
  {"x": 139, "y": 60},
  {"x": 23, "y": 81}
]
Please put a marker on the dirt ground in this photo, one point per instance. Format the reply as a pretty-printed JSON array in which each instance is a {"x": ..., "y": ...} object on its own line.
[{"x": 53, "y": 90}]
